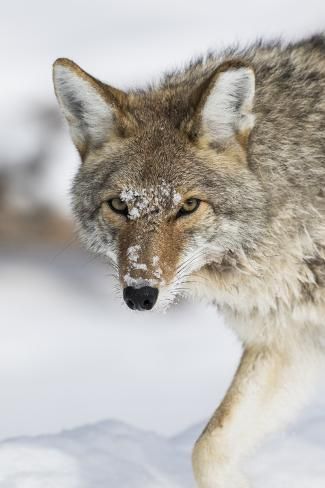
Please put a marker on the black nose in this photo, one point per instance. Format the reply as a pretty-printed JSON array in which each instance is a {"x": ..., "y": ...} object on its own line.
[{"x": 142, "y": 298}]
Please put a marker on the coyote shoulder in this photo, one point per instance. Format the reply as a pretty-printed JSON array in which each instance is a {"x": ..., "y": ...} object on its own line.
[{"x": 212, "y": 183}]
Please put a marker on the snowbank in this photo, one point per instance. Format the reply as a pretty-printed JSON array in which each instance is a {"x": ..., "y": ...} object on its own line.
[{"x": 112, "y": 454}]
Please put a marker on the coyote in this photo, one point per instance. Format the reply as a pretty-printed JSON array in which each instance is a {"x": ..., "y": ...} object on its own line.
[{"x": 212, "y": 183}]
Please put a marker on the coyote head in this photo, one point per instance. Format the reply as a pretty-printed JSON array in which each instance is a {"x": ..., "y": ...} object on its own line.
[{"x": 164, "y": 189}]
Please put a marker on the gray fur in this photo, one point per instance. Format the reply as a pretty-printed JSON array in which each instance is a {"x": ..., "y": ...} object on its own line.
[{"x": 258, "y": 251}]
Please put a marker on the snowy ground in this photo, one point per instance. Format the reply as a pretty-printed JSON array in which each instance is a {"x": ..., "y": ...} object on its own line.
[{"x": 116, "y": 455}]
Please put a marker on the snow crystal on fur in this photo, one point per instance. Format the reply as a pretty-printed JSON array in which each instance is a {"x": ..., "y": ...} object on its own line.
[
  {"x": 157, "y": 271},
  {"x": 133, "y": 257},
  {"x": 146, "y": 201},
  {"x": 138, "y": 282}
]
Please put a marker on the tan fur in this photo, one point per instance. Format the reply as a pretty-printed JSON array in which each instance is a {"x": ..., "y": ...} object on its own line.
[{"x": 242, "y": 132}]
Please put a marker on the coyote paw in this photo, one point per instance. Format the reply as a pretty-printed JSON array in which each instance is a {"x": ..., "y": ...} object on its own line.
[{"x": 214, "y": 470}]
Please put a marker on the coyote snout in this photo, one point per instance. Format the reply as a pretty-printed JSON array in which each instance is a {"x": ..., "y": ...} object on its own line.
[{"x": 143, "y": 298}]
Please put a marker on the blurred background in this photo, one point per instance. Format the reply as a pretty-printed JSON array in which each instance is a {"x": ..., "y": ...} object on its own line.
[{"x": 70, "y": 352}]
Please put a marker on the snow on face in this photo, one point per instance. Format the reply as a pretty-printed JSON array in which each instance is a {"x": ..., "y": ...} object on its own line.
[
  {"x": 151, "y": 200},
  {"x": 157, "y": 271},
  {"x": 133, "y": 253},
  {"x": 133, "y": 264},
  {"x": 138, "y": 282},
  {"x": 133, "y": 257}
]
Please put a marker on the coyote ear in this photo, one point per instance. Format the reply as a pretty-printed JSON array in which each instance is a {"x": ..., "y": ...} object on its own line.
[
  {"x": 88, "y": 104},
  {"x": 224, "y": 108}
]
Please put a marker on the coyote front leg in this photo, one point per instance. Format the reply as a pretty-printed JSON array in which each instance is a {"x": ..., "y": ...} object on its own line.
[{"x": 268, "y": 387}]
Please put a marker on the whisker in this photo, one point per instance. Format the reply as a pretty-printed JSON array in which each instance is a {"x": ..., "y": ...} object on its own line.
[
  {"x": 64, "y": 248},
  {"x": 190, "y": 260}
]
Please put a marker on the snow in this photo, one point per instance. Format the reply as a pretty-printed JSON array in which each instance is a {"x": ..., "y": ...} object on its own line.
[
  {"x": 150, "y": 201},
  {"x": 157, "y": 271},
  {"x": 138, "y": 282},
  {"x": 114, "y": 454},
  {"x": 176, "y": 198},
  {"x": 133, "y": 257},
  {"x": 134, "y": 213},
  {"x": 142, "y": 266}
]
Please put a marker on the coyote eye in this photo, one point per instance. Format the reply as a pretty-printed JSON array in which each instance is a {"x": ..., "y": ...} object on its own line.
[
  {"x": 188, "y": 207},
  {"x": 118, "y": 206}
]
